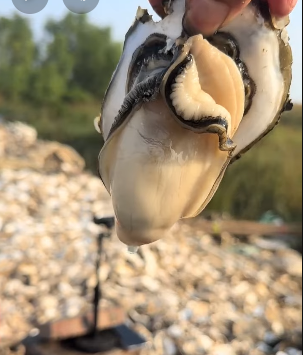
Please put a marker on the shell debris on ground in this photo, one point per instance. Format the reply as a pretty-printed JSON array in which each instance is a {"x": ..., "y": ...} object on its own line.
[{"x": 186, "y": 294}]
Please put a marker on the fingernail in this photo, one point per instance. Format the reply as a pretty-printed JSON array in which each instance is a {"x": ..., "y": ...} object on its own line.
[{"x": 205, "y": 16}]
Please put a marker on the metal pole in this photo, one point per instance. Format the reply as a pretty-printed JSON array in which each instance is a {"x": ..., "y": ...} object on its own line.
[
  {"x": 98, "y": 291},
  {"x": 109, "y": 224}
]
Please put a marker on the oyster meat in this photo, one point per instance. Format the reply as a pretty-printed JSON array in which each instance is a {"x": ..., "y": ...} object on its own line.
[{"x": 180, "y": 108}]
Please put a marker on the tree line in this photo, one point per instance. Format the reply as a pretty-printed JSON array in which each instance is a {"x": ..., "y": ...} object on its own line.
[
  {"x": 72, "y": 63},
  {"x": 57, "y": 86}
]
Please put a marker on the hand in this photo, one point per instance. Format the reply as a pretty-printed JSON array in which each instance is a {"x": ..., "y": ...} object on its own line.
[{"x": 218, "y": 12}]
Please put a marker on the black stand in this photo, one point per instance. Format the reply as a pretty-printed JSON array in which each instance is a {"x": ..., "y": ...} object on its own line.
[
  {"x": 96, "y": 341},
  {"x": 63, "y": 337},
  {"x": 109, "y": 224}
]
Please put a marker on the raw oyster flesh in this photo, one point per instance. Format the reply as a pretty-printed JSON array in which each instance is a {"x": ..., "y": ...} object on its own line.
[{"x": 179, "y": 109}]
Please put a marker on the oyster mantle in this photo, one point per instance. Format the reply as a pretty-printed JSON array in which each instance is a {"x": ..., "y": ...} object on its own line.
[{"x": 180, "y": 109}]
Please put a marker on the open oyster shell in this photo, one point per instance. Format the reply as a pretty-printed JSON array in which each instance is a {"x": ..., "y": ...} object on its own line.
[{"x": 180, "y": 109}]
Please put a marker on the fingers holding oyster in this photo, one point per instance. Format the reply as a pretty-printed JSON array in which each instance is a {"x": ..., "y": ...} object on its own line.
[{"x": 207, "y": 16}]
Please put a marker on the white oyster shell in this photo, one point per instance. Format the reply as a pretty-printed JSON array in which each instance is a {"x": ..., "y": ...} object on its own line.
[
  {"x": 158, "y": 171},
  {"x": 171, "y": 26}
]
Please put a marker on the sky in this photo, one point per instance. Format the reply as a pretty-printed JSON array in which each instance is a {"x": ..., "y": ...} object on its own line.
[{"x": 119, "y": 15}]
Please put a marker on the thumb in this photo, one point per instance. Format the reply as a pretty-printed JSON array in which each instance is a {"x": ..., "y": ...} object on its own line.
[
  {"x": 207, "y": 16},
  {"x": 282, "y": 8},
  {"x": 157, "y": 6}
]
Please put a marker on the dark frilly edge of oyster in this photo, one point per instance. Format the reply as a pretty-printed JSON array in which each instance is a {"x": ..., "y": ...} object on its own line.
[{"x": 180, "y": 109}]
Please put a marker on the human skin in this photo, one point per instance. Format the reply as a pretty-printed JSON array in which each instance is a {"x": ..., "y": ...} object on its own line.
[{"x": 216, "y": 13}]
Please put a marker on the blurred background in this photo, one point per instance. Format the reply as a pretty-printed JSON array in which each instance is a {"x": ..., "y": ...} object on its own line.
[{"x": 221, "y": 284}]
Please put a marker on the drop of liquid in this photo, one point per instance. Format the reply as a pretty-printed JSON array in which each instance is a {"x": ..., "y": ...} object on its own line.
[{"x": 132, "y": 250}]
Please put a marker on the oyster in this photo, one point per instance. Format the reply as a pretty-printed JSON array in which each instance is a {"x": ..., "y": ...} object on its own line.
[{"x": 179, "y": 109}]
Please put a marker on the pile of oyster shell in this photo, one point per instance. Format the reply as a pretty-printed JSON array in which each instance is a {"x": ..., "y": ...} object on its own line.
[{"x": 180, "y": 109}]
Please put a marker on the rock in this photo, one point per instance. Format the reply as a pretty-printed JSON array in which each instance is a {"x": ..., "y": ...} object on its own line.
[
  {"x": 189, "y": 348},
  {"x": 278, "y": 328},
  {"x": 264, "y": 348},
  {"x": 169, "y": 347},
  {"x": 73, "y": 306},
  {"x": 223, "y": 350},
  {"x": 20, "y": 149},
  {"x": 216, "y": 335},
  {"x": 249, "y": 328},
  {"x": 292, "y": 351},
  {"x": 205, "y": 343},
  {"x": 272, "y": 339},
  {"x": 292, "y": 261},
  {"x": 175, "y": 331},
  {"x": 199, "y": 310},
  {"x": 273, "y": 312},
  {"x": 48, "y": 306},
  {"x": 245, "y": 347},
  {"x": 6, "y": 265}
]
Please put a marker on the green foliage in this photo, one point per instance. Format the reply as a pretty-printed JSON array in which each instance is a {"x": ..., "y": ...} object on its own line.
[
  {"x": 58, "y": 89},
  {"x": 47, "y": 85},
  {"x": 86, "y": 49},
  {"x": 17, "y": 54},
  {"x": 76, "y": 64},
  {"x": 268, "y": 177}
]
